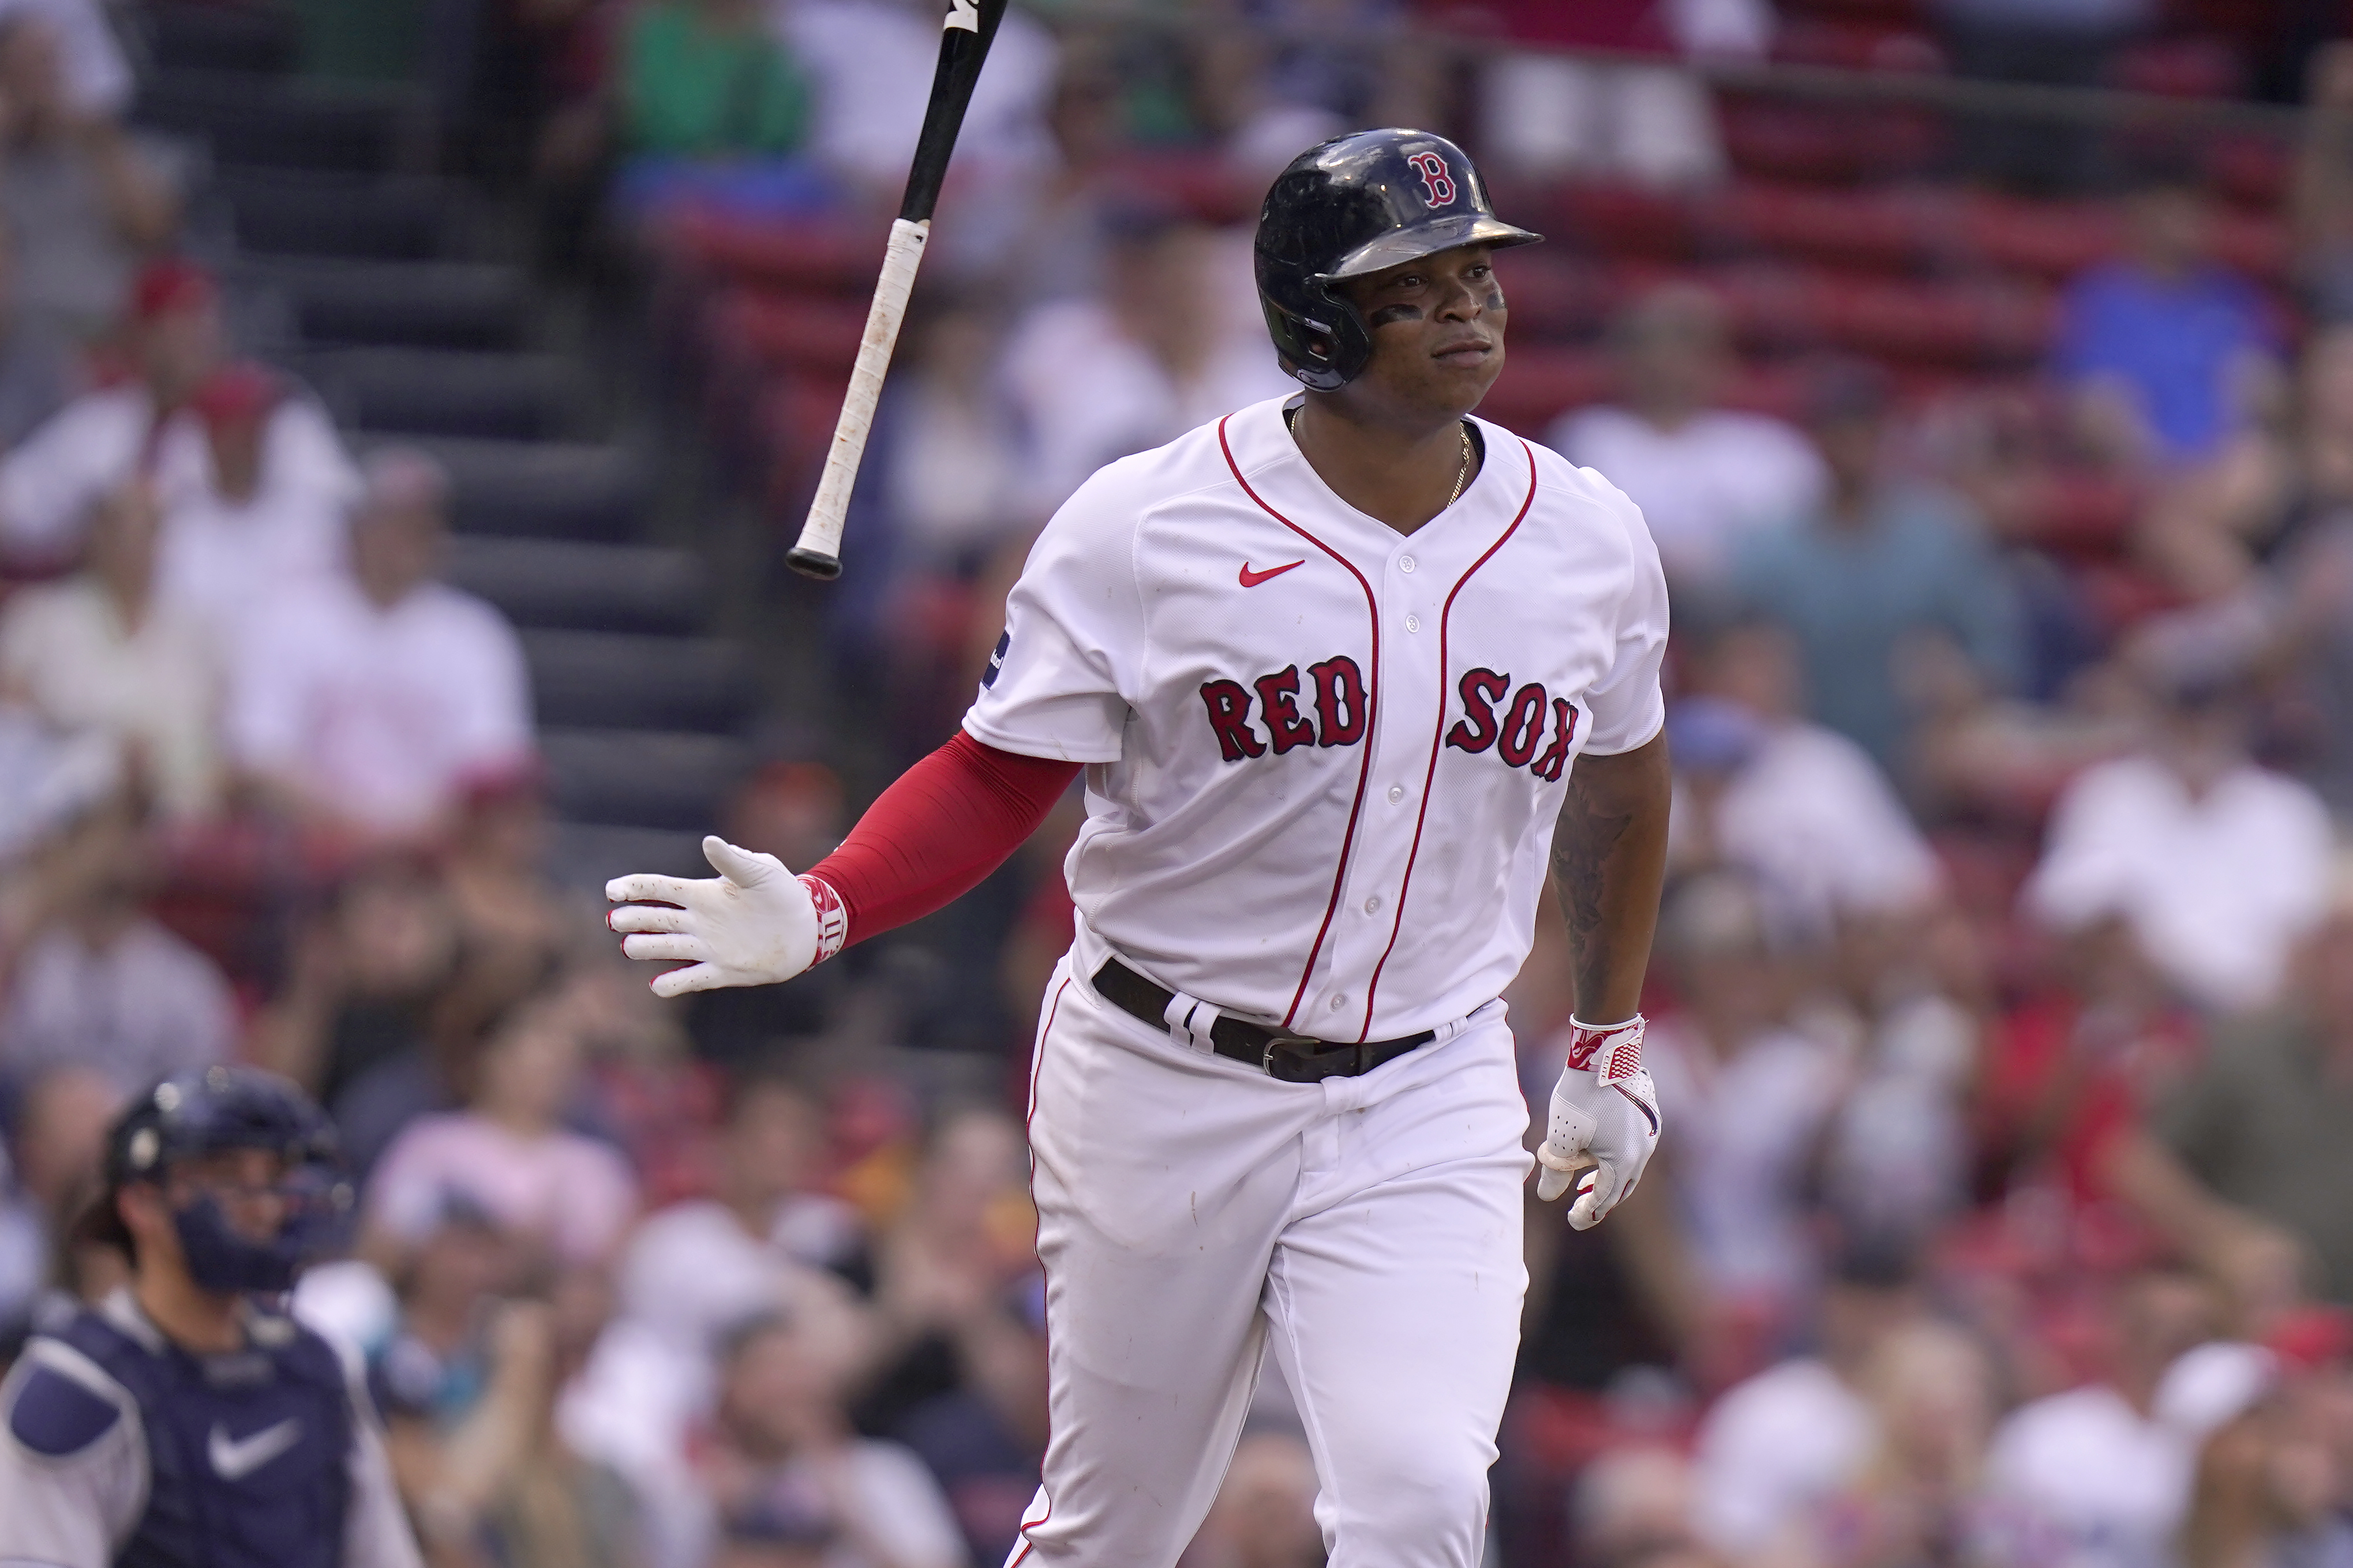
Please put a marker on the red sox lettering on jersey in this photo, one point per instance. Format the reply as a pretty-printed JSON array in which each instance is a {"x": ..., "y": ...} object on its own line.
[
  {"x": 1339, "y": 718},
  {"x": 1326, "y": 757}
]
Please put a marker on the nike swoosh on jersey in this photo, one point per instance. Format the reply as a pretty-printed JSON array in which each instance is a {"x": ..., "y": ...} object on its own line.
[
  {"x": 234, "y": 1459},
  {"x": 1253, "y": 579}
]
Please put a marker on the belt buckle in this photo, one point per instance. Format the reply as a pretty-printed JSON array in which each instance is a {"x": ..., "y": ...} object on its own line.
[{"x": 1274, "y": 1042}]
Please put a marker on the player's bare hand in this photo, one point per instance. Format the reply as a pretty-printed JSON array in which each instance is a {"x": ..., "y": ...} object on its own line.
[
  {"x": 1603, "y": 1127},
  {"x": 753, "y": 924}
]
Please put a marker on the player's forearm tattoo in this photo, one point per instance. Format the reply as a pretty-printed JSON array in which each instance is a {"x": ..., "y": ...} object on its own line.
[{"x": 1588, "y": 833}]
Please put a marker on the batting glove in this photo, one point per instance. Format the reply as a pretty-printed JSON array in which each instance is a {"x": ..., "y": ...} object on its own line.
[
  {"x": 1605, "y": 1121},
  {"x": 753, "y": 924}
]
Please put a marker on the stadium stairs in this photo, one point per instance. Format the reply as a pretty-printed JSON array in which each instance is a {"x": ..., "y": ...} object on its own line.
[{"x": 399, "y": 296}]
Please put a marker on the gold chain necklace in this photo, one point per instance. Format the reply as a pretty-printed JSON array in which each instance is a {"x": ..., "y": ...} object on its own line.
[{"x": 1461, "y": 474}]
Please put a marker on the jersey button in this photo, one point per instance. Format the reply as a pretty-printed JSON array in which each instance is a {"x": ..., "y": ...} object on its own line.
[
  {"x": 1413, "y": 623},
  {"x": 1397, "y": 794},
  {"x": 1373, "y": 905},
  {"x": 1404, "y": 563},
  {"x": 1339, "y": 1000}
]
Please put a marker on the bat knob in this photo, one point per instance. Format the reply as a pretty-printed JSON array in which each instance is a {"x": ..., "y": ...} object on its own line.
[{"x": 814, "y": 564}]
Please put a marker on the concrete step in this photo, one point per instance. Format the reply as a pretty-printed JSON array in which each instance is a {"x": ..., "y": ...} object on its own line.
[
  {"x": 638, "y": 778},
  {"x": 568, "y": 586},
  {"x": 613, "y": 680}
]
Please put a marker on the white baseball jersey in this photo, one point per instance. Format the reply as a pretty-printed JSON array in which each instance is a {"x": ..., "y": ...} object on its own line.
[{"x": 1326, "y": 758}]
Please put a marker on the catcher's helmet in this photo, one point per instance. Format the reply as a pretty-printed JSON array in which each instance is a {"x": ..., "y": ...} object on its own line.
[
  {"x": 190, "y": 1115},
  {"x": 1352, "y": 206}
]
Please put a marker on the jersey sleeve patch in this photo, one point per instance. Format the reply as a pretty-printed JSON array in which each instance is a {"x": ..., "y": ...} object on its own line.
[{"x": 54, "y": 1415}]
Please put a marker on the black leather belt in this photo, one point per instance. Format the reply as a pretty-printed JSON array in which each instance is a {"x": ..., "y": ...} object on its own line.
[{"x": 1293, "y": 1058}]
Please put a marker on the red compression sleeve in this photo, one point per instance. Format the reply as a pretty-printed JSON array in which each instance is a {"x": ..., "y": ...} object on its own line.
[{"x": 948, "y": 822}]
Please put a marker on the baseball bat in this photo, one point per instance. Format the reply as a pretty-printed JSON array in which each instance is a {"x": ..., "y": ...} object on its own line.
[{"x": 965, "y": 37}]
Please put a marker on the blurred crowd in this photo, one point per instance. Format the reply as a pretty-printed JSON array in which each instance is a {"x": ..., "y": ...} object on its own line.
[{"x": 2003, "y": 999}]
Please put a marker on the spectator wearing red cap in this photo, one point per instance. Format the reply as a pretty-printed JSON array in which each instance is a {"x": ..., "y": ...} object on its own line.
[
  {"x": 367, "y": 706},
  {"x": 268, "y": 521},
  {"x": 152, "y": 425},
  {"x": 86, "y": 200}
]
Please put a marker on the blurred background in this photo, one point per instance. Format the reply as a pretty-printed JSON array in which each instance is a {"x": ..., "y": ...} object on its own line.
[{"x": 405, "y": 406}]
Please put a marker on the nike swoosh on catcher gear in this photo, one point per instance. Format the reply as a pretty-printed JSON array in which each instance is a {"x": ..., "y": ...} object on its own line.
[
  {"x": 234, "y": 1459},
  {"x": 1253, "y": 579}
]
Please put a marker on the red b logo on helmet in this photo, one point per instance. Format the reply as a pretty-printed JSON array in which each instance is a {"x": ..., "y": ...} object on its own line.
[{"x": 1436, "y": 180}]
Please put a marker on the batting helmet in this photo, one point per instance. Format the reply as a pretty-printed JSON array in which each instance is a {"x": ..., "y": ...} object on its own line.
[
  {"x": 1353, "y": 205},
  {"x": 191, "y": 1114}
]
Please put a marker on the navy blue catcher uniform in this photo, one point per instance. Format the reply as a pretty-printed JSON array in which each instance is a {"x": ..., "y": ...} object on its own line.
[{"x": 120, "y": 1448}]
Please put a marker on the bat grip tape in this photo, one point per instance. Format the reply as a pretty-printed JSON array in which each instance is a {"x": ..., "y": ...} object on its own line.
[{"x": 818, "y": 551}]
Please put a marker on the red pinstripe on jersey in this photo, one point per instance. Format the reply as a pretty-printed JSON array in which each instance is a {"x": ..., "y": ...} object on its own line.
[
  {"x": 1438, "y": 740},
  {"x": 1371, "y": 707}
]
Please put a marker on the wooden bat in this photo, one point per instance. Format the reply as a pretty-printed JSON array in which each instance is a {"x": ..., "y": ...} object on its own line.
[{"x": 965, "y": 37}]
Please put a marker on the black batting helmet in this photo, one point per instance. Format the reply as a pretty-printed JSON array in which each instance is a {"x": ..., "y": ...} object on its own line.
[
  {"x": 190, "y": 1115},
  {"x": 1352, "y": 206}
]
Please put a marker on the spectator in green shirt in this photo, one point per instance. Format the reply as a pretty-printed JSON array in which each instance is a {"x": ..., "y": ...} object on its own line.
[
  {"x": 2247, "y": 1166},
  {"x": 705, "y": 79}
]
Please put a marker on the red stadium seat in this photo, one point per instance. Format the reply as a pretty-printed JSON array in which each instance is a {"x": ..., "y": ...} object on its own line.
[
  {"x": 2055, "y": 240},
  {"x": 2252, "y": 170},
  {"x": 1553, "y": 296},
  {"x": 2080, "y": 516},
  {"x": 797, "y": 252},
  {"x": 1627, "y": 220},
  {"x": 1892, "y": 231},
  {"x": 1965, "y": 325},
  {"x": 1539, "y": 386},
  {"x": 788, "y": 332},
  {"x": 2256, "y": 244},
  {"x": 1827, "y": 143},
  {"x": 1857, "y": 43}
]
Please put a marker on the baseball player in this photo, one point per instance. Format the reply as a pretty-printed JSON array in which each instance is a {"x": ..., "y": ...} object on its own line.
[
  {"x": 184, "y": 1422},
  {"x": 1341, "y": 671}
]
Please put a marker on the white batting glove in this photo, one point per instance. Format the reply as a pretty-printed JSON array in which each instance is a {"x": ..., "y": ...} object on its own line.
[
  {"x": 753, "y": 924},
  {"x": 1604, "y": 1124}
]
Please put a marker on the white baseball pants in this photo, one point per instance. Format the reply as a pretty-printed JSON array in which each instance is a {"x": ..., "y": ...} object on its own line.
[{"x": 1193, "y": 1212}]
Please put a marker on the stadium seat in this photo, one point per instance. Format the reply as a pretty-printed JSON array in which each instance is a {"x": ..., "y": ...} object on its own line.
[
  {"x": 1827, "y": 143},
  {"x": 1627, "y": 220},
  {"x": 1981, "y": 325},
  {"x": 799, "y": 255},
  {"x": 2253, "y": 171},
  {"x": 615, "y": 681},
  {"x": 566, "y": 584},
  {"x": 2053, "y": 240},
  {"x": 1857, "y": 43},
  {"x": 793, "y": 428},
  {"x": 780, "y": 331},
  {"x": 1890, "y": 230},
  {"x": 1540, "y": 384},
  {"x": 2080, "y": 516},
  {"x": 2257, "y": 244},
  {"x": 1555, "y": 296},
  {"x": 641, "y": 778}
]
